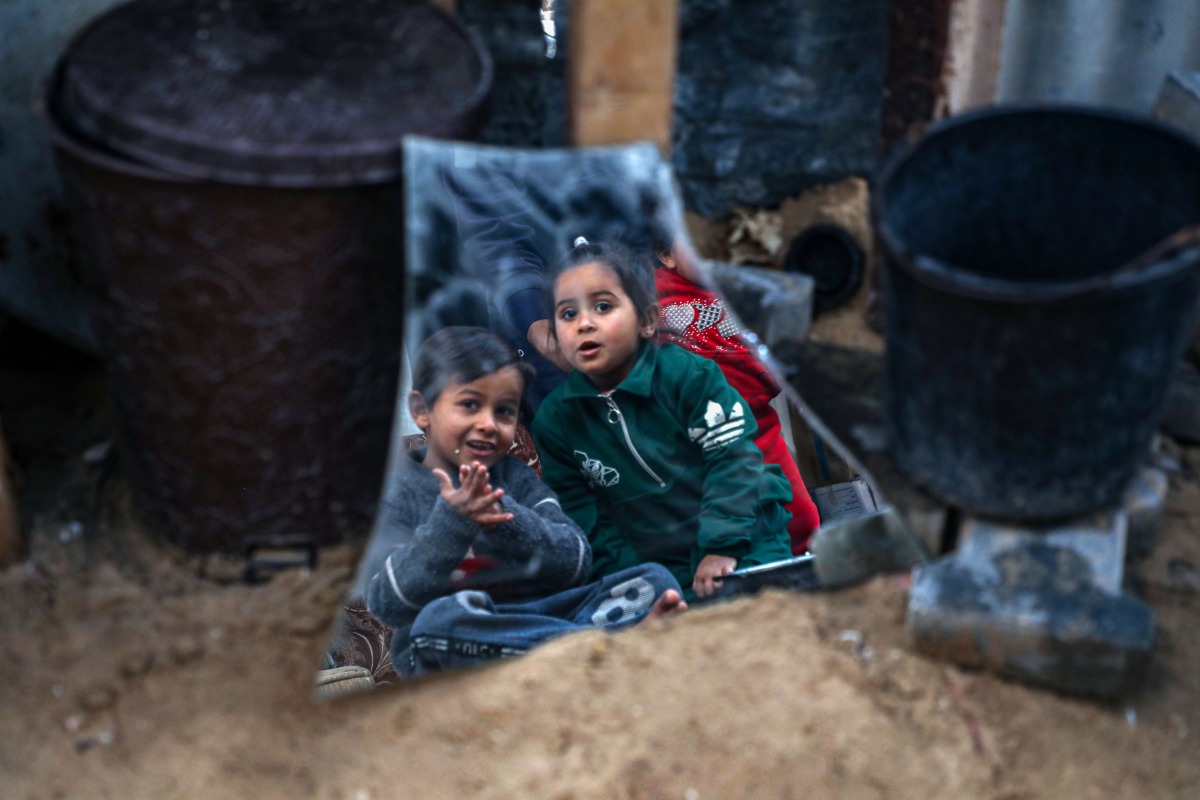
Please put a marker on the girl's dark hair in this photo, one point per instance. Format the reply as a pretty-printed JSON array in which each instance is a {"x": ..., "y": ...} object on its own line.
[
  {"x": 463, "y": 354},
  {"x": 635, "y": 272}
]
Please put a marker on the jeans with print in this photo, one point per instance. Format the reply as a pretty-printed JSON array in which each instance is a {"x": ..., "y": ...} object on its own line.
[{"x": 468, "y": 628}]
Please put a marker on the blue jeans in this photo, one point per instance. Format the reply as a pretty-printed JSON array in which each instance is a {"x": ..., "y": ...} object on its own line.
[{"x": 468, "y": 628}]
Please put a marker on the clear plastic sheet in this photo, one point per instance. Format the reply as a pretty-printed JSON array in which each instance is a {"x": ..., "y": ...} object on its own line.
[{"x": 484, "y": 225}]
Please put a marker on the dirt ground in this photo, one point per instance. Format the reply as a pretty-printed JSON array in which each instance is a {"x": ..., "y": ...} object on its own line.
[{"x": 134, "y": 671}]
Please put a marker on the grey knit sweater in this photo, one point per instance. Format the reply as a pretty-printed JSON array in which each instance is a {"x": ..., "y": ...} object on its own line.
[{"x": 419, "y": 542}]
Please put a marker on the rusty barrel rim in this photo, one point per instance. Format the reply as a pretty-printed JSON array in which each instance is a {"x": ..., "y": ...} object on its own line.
[
  {"x": 78, "y": 145},
  {"x": 185, "y": 138}
]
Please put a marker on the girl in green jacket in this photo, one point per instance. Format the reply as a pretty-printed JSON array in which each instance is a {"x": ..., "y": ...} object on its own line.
[{"x": 649, "y": 448}]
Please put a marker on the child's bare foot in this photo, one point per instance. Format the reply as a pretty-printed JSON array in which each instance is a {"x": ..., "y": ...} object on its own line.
[{"x": 669, "y": 604}]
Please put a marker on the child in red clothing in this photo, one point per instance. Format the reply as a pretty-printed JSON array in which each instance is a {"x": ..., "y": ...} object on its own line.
[{"x": 695, "y": 319}]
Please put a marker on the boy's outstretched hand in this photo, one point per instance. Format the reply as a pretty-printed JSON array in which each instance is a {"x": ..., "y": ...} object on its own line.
[
  {"x": 474, "y": 498},
  {"x": 708, "y": 574}
]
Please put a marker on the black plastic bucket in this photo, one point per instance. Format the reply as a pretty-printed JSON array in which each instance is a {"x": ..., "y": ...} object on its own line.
[
  {"x": 245, "y": 274},
  {"x": 1042, "y": 275}
]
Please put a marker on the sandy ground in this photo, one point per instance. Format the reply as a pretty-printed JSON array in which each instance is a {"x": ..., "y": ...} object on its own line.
[{"x": 134, "y": 671}]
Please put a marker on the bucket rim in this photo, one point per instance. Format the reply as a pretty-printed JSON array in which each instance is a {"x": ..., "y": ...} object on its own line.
[
  {"x": 383, "y": 155},
  {"x": 74, "y": 143},
  {"x": 1163, "y": 259}
]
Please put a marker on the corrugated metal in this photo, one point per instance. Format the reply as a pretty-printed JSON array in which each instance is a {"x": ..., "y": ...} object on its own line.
[{"x": 1113, "y": 53}]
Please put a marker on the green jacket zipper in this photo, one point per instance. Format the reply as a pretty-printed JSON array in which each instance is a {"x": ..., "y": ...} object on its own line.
[{"x": 614, "y": 409}]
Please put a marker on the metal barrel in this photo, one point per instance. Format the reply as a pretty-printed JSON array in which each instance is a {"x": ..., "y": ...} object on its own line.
[
  {"x": 1042, "y": 275},
  {"x": 250, "y": 331}
]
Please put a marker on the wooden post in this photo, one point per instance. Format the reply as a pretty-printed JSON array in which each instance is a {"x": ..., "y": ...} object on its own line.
[
  {"x": 621, "y": 71},
  {"x": 914, "y": 91},
  {"x": 10, "y": 535},
  {"x": 972, "y": 69},
  {"x": 449, "y": 6}
]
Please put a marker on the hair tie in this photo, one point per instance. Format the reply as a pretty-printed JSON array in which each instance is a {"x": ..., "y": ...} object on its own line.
[{"x": 579, "y": 241}]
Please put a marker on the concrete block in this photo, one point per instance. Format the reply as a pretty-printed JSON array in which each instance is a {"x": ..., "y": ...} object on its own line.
[
  {"x": 1098, "y": 540},
  {"x": 1034, "y": 606}
]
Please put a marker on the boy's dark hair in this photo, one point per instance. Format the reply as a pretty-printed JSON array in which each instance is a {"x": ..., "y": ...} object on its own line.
[
  {"x": 463, "y": 354},
  {"x": 635, "y": 273}
]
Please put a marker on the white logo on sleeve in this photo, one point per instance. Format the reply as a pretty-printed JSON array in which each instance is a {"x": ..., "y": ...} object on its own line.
[
  {"x": 719, "y": 428},
  {"x": 596, "y": 473}
]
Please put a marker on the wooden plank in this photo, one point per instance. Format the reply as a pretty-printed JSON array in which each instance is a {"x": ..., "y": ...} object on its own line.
[{"x": 621, "y": 71}]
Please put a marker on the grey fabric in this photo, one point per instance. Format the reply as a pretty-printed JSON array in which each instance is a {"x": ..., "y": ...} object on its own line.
[
  {"x": 419, "y": 542},
  {"x": 468, "y": 628}
]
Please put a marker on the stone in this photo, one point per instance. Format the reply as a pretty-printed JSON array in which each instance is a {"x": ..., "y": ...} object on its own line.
[
  {"x": 98, "y": 698},
  {"x": 137, "y": 664},
  {"x": 851, "y": 550},
  {"x": 186, "y": 650}
]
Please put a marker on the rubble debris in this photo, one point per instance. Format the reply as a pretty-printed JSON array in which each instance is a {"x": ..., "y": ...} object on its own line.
[{"x": 755, "y": 236}]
